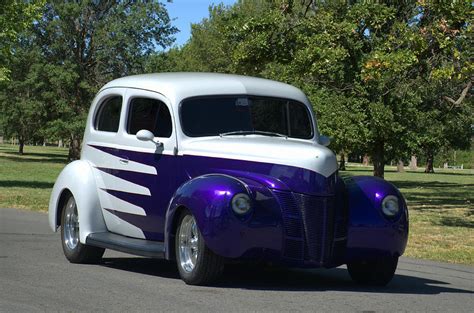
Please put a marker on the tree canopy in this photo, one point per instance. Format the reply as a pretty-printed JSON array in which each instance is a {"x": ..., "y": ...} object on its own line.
[
  {"x": 84, "y": 44},
  {"x": 16, "y": 17},
  {"x": 387, "y": 80},
  {"x": 380, "y": 75}
]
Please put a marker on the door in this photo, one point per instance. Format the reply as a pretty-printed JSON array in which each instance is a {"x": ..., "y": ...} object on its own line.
[
  {"x": 102, "y": 139},
  {"x": 144, "y": 179}
]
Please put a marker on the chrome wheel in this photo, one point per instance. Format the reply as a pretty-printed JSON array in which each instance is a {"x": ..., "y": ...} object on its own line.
[
  {"x": 71, "y": 225},
  {"x": 188, "y": 244}
]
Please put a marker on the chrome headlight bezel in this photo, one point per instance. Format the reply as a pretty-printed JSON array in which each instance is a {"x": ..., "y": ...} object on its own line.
[
  {"x": 391, "y": 206},
  {"x": 241, "y": 204}
]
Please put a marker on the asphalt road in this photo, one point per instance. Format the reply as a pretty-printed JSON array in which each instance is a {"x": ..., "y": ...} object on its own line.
[{"x": 35, "y": 276}]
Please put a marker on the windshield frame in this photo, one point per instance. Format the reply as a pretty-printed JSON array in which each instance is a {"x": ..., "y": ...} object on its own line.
[{"x": 307, "y": 109}]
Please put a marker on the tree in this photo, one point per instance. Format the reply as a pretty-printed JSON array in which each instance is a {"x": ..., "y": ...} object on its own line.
[
  {"x": 386, "y": 80},
  {"x": 169, "y": 61},
  {"x": 22, "y": 111},
  {"x": 447, "y": 72},
  {"x": 208, "y": 49},
  {"x": 88, "y": 43},
  {"x": 443, "y": 125},
  {"x": 349, "y": 51},
  {"x": 347, "y": 131},
  {"x": 364, "y": 65},
  {"x": 17, "y": 16}
]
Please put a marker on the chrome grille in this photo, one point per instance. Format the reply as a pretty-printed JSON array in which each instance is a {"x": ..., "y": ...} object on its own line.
[
  {"x": 312, "y": 226},
  {"x": 293, "y": 245},
  {"x": 318, "y": 221}
]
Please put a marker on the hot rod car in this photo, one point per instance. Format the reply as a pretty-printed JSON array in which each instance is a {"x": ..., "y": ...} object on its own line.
[{"x": 205, "y": 168}]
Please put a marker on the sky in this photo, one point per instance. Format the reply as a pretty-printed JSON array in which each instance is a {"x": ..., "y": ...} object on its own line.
[{"x": 185, "y": 12}]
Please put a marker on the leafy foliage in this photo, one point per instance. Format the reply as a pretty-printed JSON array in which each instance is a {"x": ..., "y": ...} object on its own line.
[
  {"x": 84, "y": 44},
  {"x": 16, "y": 17},
  {"x": 377, "y": 74},
  {"x": 386, "y": 80},
  {"x": 21, "y": 105}
]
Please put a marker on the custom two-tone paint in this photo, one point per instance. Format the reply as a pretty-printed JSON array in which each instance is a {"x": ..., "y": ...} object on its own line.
[{"x": 202, "y": 200}]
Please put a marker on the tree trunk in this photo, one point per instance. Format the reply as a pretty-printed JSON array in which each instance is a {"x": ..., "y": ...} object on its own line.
[
  {"x": 342, "y": 161},
  {"x": 400, "y": 168},
  {"x": 74, "y": 149},
  {"x": 365, "y": 160},
  {"x": 429, "y": 163},
  {"x": 21, "y": 141},
  {"x": 378, "y": 158},
  {"x": 413, "y": 163}
]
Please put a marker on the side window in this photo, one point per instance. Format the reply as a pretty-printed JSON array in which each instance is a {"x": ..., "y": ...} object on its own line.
[
  {"x": 150, "y": 114},
  {"x": 108, "y": 116},
  {"x": 300, "y": 124}
]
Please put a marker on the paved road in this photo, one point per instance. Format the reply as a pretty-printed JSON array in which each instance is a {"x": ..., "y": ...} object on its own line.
[{"x": 35, "y": 276}]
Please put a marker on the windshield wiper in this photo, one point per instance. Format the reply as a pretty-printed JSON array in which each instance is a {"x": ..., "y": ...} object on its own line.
[{"x": 253, "y": 132}]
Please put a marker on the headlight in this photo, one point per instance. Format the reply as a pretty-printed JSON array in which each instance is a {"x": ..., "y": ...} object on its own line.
[
  {"x": 390, "y": 206},
  {"x": 241, "y": 203}
]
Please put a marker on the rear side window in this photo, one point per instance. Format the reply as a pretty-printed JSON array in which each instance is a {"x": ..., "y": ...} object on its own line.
[
  {"x": 149, "y": 114},
  {"x": 108, "y": 116}
]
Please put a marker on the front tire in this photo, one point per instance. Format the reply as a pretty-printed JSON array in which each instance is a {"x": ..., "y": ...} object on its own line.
[
  {"x": 197, "y": 265},
  {"x": 74, "y": 250},
  {"x": 378, "y": 273}
]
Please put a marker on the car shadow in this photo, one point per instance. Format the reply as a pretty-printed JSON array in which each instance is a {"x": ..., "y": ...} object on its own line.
[{"x": 259, "y": 277}]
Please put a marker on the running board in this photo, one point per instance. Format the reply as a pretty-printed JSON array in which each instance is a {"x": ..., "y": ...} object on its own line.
[{"x": 153, "y": 249}]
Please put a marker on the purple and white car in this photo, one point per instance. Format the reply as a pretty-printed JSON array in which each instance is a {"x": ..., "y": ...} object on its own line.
[{"x": 208, "y": 168}]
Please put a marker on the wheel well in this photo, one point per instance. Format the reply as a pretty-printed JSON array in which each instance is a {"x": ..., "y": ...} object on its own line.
[
  {"x": 62, "y": 200},
  {"x": 174, "y": 227}
]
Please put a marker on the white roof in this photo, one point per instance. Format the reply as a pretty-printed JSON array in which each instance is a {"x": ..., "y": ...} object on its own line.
[{"x": 177, "y": 86}]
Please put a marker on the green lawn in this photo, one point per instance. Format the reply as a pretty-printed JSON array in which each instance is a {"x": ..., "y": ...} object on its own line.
[
  {"x": 441, "y": 205},
  {"x": 26, "y": 181}
]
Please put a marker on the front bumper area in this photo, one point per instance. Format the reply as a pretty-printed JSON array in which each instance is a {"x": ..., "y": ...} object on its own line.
[{"x": 302, "y": 230}]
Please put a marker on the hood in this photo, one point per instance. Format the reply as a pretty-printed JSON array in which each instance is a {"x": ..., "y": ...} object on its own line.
[{"x": 300, "y": 165}]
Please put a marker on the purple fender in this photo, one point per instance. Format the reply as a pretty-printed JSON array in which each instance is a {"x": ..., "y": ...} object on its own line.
[
  {"x": 370, "y": 233},
  {"x": 208, "y": 198}
]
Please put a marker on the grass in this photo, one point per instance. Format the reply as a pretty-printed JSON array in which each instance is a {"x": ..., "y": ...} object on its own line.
[
  {"x": 26, "y": 181},
  {"x": 441, "y": 205}
]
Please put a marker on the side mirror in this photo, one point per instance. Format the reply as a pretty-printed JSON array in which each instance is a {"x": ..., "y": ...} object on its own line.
[
  {"x": 324, "y": 140},
  {"x": 146, "y": 135}
]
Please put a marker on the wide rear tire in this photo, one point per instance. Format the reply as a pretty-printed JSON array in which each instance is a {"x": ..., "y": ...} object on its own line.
[
  {"x": 197, "y": 265},
  {"x": 74, "y": 250},
  {"x": 378, "y": 273}
]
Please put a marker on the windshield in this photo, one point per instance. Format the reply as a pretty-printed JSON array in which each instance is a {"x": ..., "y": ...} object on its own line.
[{"x": 236, "y": 115}]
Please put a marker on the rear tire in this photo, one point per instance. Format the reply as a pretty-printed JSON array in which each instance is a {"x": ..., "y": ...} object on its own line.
[
  {"x": 197, "y": 265},
  {"x": 378, "y": 273},
  {"x": 74, "y": 250}
]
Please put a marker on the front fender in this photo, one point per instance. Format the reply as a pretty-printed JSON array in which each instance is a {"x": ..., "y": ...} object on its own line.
[
  {"x": 78, "y": 179},
  {"x": 208, "y": 198},
  {"x": 370, "y": 233}
]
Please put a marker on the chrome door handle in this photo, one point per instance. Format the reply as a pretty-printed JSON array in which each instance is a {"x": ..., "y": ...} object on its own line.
[{"x": 123, "y": 161}]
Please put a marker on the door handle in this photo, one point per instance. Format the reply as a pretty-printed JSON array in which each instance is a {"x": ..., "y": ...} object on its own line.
[{"x": 123, "y": 161}]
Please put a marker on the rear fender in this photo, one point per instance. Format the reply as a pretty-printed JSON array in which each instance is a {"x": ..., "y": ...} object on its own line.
[{"x": 78, "y": 179}]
